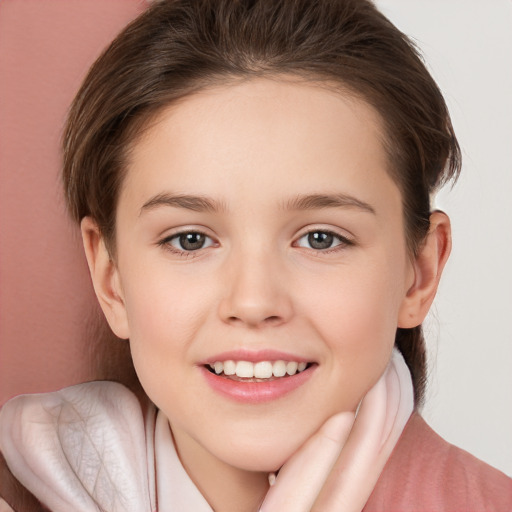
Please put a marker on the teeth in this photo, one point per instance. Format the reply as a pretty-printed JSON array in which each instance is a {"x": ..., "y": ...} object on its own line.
[
  {"x": 259, "y": 370},
  {"x": 263, "y": 370},
  {"x": 279, "y": 369},
  {"x": 229, "y": 367},
  {"x": 244, "y": 369},
  {"x": 291, "y": 368}
]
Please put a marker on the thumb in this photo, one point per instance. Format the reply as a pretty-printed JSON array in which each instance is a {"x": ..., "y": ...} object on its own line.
[
  {"x": 302, "y": 477},
  {"x": 4, "y": 507}
]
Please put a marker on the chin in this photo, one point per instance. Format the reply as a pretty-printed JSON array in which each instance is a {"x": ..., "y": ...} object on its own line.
[
  {"x": 257, "y": 466},
  {"x": 258, "y": 455}
]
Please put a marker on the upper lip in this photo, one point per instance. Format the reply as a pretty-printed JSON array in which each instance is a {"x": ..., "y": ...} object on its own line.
[{"x": 255, "y": 356}]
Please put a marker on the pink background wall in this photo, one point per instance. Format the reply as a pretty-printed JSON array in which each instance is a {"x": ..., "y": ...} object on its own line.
[{"x": 47, "y": 310}]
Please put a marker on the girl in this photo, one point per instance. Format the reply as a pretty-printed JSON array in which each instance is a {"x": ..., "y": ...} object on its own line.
[{"x": 253, "y": 182}]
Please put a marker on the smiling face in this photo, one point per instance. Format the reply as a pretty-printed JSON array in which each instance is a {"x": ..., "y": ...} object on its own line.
[{"x": 258, "y": 223}]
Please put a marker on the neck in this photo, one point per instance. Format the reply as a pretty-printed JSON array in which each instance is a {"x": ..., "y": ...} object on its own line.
[{"x": 225, "y": 487}]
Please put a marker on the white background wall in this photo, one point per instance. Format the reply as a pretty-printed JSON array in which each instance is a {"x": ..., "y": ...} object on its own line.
[{"x": 468, "y": 47}]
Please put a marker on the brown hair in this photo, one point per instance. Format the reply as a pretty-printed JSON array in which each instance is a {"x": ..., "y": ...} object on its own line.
[{"x": 180, "y": 46}]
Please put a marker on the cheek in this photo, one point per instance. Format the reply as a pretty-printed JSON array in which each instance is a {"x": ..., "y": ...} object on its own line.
[
  {"x": 355, "y": 312},
  {"x": 163, "y": 322},
  {"x": 161, "y": 304},
  {"x": 355, "y": 301}
]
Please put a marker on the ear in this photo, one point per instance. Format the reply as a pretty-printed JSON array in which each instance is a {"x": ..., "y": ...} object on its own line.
[
  {"x": 105, "y": 278},
  {"x": 428, "y": 267}
]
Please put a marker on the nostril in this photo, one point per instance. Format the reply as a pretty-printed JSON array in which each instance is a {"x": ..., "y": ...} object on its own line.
[
  {"x": 273, "y": 319},
  {"x": 269, "y": 320}
]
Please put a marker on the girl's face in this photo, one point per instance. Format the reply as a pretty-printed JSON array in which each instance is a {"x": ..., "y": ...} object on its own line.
[{"x": 258, "y": 223}]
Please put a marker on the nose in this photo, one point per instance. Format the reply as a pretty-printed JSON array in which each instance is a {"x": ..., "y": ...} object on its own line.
[{"x": 256, "y": 292}]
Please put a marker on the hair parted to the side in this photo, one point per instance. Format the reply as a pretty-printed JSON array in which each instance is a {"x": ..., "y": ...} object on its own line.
[{"x": 180, "y": 46}]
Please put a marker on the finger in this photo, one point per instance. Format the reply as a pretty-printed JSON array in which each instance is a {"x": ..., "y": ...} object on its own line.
[
  {"x": 4, "y": 507},
  {"x": 379, "y": 423},
  {"x": 301, "y": 478}
]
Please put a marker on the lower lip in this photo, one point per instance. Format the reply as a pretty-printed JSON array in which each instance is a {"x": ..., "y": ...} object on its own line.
[{"x": 256, "y": 392}]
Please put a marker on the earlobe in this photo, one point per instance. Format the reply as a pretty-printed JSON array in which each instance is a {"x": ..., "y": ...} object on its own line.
[
  {"x": 105, "y": 278},
  {"x": 428, "y": 267}
]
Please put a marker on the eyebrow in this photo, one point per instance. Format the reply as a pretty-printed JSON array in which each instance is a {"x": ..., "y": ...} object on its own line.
[
  {"x": 319, "y": 201},
  {"x": 189, "y": 202},
  {"x": 300, "y": 202}
]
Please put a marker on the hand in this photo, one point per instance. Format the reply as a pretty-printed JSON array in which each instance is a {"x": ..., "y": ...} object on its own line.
[
  {"x": 338, "y": 467},
  {"x": 4, "y": 507}
]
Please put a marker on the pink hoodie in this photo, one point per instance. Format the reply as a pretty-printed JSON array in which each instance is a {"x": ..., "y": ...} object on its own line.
[{"x": 425, "y": 473}]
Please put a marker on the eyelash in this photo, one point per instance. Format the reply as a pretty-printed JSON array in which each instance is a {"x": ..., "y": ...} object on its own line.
[
  {"x": 343, "y": 241},
  {"x": 166, "y": 242}
]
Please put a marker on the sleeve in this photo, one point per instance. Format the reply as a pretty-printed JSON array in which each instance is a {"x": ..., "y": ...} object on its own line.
[
  {"x": 79, "y": 449},
  {"x": 13, "y": 496}
]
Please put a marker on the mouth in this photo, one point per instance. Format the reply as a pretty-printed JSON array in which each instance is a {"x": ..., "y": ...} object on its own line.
[
  {"x": 256, "y": 378},
  {"x": 261, "y": 371}
]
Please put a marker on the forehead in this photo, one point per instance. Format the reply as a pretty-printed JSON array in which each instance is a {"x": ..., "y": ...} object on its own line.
[{"x": 264, "y": 135}]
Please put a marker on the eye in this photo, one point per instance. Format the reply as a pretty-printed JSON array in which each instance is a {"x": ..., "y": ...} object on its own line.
[
  {"x": 187, "y": 241},
  {"x": 322, "y": 240}
]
